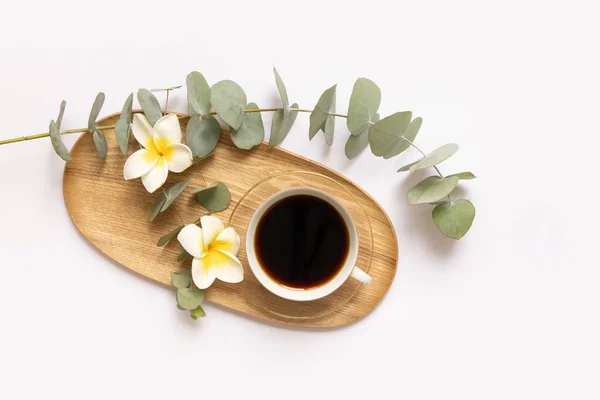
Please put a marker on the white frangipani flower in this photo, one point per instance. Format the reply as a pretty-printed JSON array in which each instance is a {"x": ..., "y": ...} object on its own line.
[
  {"x": 215, "y": 249},
  {"x": 162, "y": 152}
]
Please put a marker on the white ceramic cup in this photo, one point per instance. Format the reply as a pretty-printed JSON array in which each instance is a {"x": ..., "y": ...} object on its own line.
[{"x": 348, "y": 270}]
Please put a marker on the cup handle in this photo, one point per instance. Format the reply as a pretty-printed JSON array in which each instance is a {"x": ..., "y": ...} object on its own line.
[{"x": 361, "y": 276}]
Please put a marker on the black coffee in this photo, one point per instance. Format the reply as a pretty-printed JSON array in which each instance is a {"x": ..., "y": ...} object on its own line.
[{"x": 302, "y": 241}]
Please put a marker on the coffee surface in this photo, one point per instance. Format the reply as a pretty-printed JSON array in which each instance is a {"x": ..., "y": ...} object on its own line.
[{"x": 302, "y": 241}]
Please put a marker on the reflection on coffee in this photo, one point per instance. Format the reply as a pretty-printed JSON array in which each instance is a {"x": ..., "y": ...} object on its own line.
[{"x": 302, "y": 241}]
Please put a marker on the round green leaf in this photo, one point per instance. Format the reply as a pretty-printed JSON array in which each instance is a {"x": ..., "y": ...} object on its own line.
[
  {"x": 150, "y": 105},
  {"x": 189, "y": 299},
  {"x": 57, "y": 142},
  {"x": 410, "y": 134},
  {"x": 197, "y": 312},
  {"x": 229, "y": 100},
  {"x": 435, "y": 157},
  {"x": 172, "y": 193},
  {"x": 281, "y": 126},
  {"x": 252, "y": 130},
  {"x": 181, "y": 279},
  {"x": 431, "y": 189},
  {"x": 96, "y": 107},
  {"x": 202, "y": 134},
  {"x": 356, "y": 144},
  {"x": 386, "y": 134},
  {"x": 407, "y": 166},
  {"x": 364, "y": 103},
  {"x": 454, "y": 219},
  {"x": 214, "y": 198},
  {"x": 198, "y": 93},
  {"x": 282, "y": 93},
  {"x": 321, "y": 118},
  {"x": 100, "y": 143},
  {"x": 464, "y": 175}
]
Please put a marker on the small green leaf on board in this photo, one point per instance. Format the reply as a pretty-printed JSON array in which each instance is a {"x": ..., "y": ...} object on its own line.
[
  {"x": 150, "y": 105},
  {"x": 184, "y": 255},
  {"x": 181, "y": 279},
  {"x": 282, "y": 93},
  {"x": 173, "y": 192},
  {"x": 228, "y": 99},
  {"x": 96, "y": 108},
  {"x": 214, "y": 197},
  {"x": 281, "y": 126},
  {"x": 198, "y": 93},
  {"x": 189, "y": 299},
  {"x": 431, "y": 189},
  {"x": 252, "y": 130},
  {"x": 202, "y": 135},
  {"x": 364, "y": 103},
  {"x": 440, "y": 154},
  {"x": 57, "y": 143},
  {"x": 454, "y": 219},
  {"x": 157, "y": 206},
  {"x": 100, "y": 143},
  {"x": 167, "y": 238},
  {"x": 321, "y": 118}
]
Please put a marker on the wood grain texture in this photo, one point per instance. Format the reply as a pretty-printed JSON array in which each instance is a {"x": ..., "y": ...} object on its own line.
[{"x": 113, "y": 215}]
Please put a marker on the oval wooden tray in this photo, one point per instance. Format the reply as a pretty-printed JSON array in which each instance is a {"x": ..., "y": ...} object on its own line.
[{"x": 113, "y": 215}]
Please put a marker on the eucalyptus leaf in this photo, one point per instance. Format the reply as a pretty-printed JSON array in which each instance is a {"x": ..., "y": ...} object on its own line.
[
  {"x": 431, "y": 189},
  {"x": 150, "y": 105},
  {"x": 180, "y": 308},
  {"x": 173, "y": 192},
  {"x": 198, "y": 93},
  {"x": 356, "y": 144},
  {"x": 197, "y": 312},
  {"x": 157, "y": 206},
  {"x": 281, "y": 126},
  {"x": 435, "y": 203},
  {"x": 321, "y": 118},
  {"x": 181, "y": 279},
  {"x": 435, "y": 157},
  {"x": 189, "y": 299},
  {"x": 100, "y": 143},
  {"x": 214, "y": 197},
  {"x": 228, "y": 100},
  {"x": 166, "y": 89},
  {"x": 202, "y": 134},
  {"x": 96, "y": 108},
  {"x": 167, "y": 238},
  {"x": 464, "y": 175},
  {"x": 454, "y": 219},
  {"x": 364, "y": 103},
  {"x": 123, "y": 125},
  {"x": 410, "y": 134},
  {"x": 282, "y": 93},
  {"x": 386, "y": 134},
  {"x": 184, "y": 255},
  {"x": 407, "y": 166},
  {"x": 57, "y": 142},
  {"x": 61, "y": 113},
  {"x": 252, "y": 130}
]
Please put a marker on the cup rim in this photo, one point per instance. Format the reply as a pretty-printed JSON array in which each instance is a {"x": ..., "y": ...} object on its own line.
[{"x": 298, "y": 294}]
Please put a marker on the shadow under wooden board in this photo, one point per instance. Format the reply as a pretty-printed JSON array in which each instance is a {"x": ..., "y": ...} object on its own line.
[{"x": 113, "y": 215}]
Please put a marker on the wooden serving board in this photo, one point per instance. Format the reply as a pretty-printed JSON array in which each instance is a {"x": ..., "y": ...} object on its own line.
[{"x": 113, "y": 215}]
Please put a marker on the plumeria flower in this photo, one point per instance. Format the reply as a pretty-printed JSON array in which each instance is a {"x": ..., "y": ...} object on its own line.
[
  {"x": 162, "y": 152},
  {"x": 215, "y": 249}
]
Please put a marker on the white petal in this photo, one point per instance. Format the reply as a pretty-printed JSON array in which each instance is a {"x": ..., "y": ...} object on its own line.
[
  {"x": 143, "y": 132},
  {"x": 139, "y": 163},
  {"x": 168, "y": 127},
  {"x": 212, "y": 227},
  {"x": 202, "y": 273},
  {"x": 157, "y": 176},
  {"x": 178, "y": 156},
  {"x": 228, "y": 241},
  {"x": 228, "y": 268},
  {"x": 190, "y": 238}
]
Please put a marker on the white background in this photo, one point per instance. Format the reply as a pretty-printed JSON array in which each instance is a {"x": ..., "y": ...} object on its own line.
[{"x": 510, "y": 311}]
